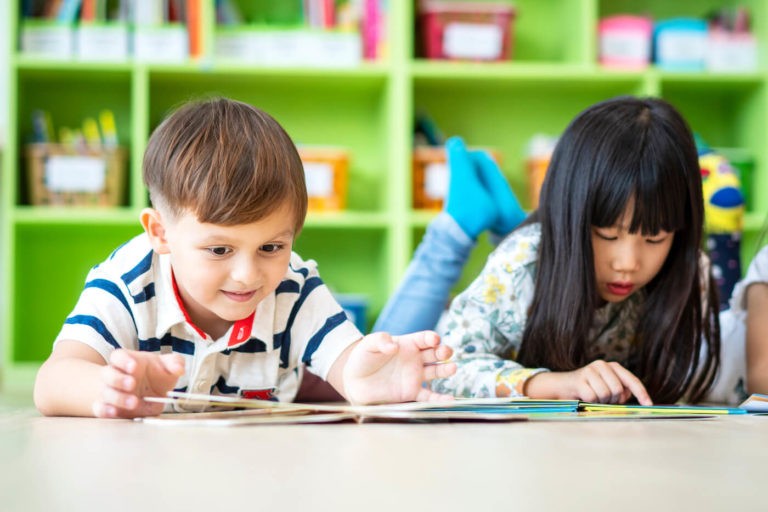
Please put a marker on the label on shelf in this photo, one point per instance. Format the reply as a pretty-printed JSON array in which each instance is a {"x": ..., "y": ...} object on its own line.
[
  {"x": 472, "y": 41},
  {"x": 319, "y": 177},
  {"x": 436, "y": 180},
  {"x": 75, "y": 173}
]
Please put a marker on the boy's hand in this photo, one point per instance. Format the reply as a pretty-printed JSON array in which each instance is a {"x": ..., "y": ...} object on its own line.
[
  {"x": 130, "y": 376},
  {"x": 383, "y": 368},
  {"x": 599, "y": 381}
]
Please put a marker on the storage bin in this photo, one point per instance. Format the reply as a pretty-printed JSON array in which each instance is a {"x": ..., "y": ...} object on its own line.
[
  {"x": 431, "y": 176},
  {"x": 58, "y": 177},
  {"x": 480, "y": 31},
  {"x": 326, "y": 173},
  {"x": 680, "y": 44},
  {"x": 625, "y": 41}
]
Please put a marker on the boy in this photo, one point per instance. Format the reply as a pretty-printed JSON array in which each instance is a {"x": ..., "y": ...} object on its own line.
[{"x": 211, "y": 299}]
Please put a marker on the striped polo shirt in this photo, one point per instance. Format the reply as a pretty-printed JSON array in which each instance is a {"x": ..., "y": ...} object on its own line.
[{"x": 131, "y": 301}]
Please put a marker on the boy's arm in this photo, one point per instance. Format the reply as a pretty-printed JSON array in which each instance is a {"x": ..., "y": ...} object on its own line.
[
  {"x": 757, "y": 338},
  {"x": 76, "y": 381},
  {"x": 68, "y": 383},
  {"x": 383, "y": 369}
]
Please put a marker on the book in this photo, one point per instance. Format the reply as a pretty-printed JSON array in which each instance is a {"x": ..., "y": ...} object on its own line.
[{"x": 755, "y": 403}]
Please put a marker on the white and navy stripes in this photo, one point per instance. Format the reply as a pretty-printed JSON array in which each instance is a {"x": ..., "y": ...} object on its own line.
[{"x": 129, "y": 301}]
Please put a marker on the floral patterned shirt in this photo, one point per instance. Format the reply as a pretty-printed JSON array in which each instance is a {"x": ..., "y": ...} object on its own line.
[{"x": 485, "y": 323}]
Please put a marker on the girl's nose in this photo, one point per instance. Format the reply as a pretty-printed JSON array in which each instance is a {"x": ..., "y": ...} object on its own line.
[{"x": 624, "y": 259}]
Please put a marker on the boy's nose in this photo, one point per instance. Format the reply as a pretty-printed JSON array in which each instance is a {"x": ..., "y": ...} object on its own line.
[{"x": 245, "y": 271}]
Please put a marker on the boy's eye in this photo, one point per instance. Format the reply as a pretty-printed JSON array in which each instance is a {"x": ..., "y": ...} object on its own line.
[
  {"x": 271, "y": 248},
  {"x": 219, "y": 251}
]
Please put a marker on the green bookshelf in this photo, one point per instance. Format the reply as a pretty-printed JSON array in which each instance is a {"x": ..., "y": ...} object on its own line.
[{"x": 46, "y": 252}]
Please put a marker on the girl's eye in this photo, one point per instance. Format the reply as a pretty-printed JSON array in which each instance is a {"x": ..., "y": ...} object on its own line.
[
  {"x": 605, "y": 236},
  {"x": 656, "y": 240},
  {"x": 271, "y": 248},
  {"x": 219, "y": 251}
]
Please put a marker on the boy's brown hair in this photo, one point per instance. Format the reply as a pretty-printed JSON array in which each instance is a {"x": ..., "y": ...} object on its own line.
[{"x": 225, "y": 161}]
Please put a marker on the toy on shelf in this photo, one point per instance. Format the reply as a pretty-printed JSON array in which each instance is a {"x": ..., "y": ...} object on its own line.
[
  {"x": 326, "y": 172},
  {"x": 724, "y": 217},
  {"x": 625, "y": 41}
]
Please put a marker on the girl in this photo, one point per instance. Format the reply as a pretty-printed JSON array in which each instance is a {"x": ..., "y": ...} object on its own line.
[
  {"x": 745, "y": 334},
  {"x": 608, "y": 269}
]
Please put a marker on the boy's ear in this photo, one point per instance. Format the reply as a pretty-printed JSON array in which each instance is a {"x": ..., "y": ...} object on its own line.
[{"x": 152, "y": 222}]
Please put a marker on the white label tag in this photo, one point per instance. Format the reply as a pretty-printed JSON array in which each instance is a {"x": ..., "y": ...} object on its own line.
[
  {"x": 625, "y": 46},
  {"x": 436, "y": 180},
  {"x": 472, "y": 41},
  {"x": 319, "y": 178},
  {"x": 682, "y": 46},
  {"x": 75, "y": 174}
]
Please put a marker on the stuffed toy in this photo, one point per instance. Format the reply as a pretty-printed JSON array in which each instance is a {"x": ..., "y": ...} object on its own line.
[{"x": 724, "y": 217}]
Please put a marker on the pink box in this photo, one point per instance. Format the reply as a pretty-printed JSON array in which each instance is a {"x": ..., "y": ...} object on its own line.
[
  {"x": 478, "y": 31},
  {"x": 625, "y": 41}
]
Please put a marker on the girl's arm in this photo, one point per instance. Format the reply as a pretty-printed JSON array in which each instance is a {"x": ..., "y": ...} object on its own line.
[{"x": 757, "y": 338}]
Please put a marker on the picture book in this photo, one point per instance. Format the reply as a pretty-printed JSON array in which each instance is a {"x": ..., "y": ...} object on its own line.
[
  {"x": 233, "y": 411},
  {"x": 755, "y": 403}
]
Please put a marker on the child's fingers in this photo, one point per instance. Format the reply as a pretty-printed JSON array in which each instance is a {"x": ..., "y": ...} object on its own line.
[
  {"x": 379, "y": 342},
  {"x": 119, "y": 399},
  {"x": 173, "y": 363},
  {"x": 123, "y": 360},
  {"x": 117, "y": 379},
  {"x": 427, "y": 395},
  {"x": 422, "y": 340},
  {"x": 439, "y": 371},
  {"x": 615, "y": 387},
  {"x": 102, "y": 410},
  {"x": 633, "y": 384},
  {"x": 601, "y": 390}
]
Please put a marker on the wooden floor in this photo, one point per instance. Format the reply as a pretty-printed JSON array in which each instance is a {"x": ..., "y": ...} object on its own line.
[{"x": 72, "y": 464}]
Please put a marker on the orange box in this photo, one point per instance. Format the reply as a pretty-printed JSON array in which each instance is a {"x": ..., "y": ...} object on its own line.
[
  {"x": 58, "y": 177},
  {"x": 326, "y": 173},
  {"x": 430, "y": 176},
  {"x": 537, "y": 170}
]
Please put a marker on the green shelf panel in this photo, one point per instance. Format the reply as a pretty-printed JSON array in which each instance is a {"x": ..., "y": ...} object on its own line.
[
  {"x": 345, "y": 219},
  {"x": 51, "y": 263},
  {"x": 350, "y": 260},
  {"x": 82, "y": 216},
  {"x": 325, "y": 111}
]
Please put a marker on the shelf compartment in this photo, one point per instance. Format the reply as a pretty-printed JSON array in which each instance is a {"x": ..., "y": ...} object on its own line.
[
  {"x": 524, "y": 108},
  {"x": 324, "y": 110},
  {"x": 350, "y": 260},
  {"x": 70, "y": 95},
  {"x": 52, "y": 261}
]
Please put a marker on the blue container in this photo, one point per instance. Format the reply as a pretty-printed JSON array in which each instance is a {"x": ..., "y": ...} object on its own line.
[
  {"x": 356, "y": 308},
  {"x": 680, "y": 44}
]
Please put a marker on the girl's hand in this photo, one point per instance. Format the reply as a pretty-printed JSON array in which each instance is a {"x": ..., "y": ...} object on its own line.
[
  {"x": 599, "y": 381},
  {"x": 130, "y": 376}
]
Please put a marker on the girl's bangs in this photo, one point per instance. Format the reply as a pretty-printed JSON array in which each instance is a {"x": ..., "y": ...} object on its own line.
[{"x": 659, "y": 195}]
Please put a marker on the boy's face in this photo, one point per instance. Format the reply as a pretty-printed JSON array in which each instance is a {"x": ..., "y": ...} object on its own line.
[{"x": 223, "y": 272}]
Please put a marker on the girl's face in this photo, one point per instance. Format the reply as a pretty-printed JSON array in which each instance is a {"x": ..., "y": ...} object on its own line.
[
  {"x": 223, "y": 272},
  {"x": 625, "y": 262}
]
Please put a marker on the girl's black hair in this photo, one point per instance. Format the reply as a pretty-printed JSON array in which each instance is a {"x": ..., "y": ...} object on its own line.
[{"x": 619, "y": 150}]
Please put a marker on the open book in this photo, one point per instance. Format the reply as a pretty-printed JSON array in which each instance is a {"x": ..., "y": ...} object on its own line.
[{"x": 230, "y": 411}]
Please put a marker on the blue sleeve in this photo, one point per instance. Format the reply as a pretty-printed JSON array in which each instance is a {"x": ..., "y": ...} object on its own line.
[{"x": 422, "y": 295}]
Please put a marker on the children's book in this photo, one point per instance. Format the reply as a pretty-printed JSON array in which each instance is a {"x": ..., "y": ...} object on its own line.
[
  {"x": 266, "y": 412},
  {"x": 755, "y": 403}
]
